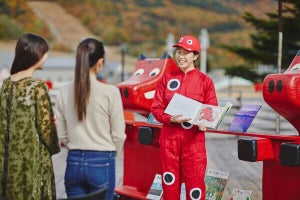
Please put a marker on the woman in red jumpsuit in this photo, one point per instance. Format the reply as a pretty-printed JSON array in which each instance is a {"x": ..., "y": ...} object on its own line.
[{"x": 182, "y": 145}]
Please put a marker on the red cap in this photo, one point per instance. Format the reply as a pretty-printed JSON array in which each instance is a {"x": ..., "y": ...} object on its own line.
[{"x": 189, "y": 43}]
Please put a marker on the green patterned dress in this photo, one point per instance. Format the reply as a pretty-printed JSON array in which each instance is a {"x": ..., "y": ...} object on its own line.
[{"x": 28, "y": 138}]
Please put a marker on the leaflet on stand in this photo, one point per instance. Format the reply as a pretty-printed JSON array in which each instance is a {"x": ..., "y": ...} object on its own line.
[
  {"x": 156, "y": 191},
  {"x": 238, "y": 194},
  {"x": 215, "y": 182},
  {"x": 244, "y": 118}
]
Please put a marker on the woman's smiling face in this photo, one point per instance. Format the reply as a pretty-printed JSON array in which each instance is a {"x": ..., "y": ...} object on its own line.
[{"x": 185, "y": 59}]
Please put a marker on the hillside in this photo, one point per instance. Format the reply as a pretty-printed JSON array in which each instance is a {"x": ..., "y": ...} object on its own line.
[
  {"x": 144, "y": 25},
  {"x": 62, "y": 27}
]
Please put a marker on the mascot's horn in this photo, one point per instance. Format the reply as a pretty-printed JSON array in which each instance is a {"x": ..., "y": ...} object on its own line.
[
  {"x": 142, "y": 57},
  {"x": 165, "y": 56}
]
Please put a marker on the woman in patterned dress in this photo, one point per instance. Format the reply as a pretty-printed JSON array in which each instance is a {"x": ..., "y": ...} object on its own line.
[{"x": 28, "y": 135}]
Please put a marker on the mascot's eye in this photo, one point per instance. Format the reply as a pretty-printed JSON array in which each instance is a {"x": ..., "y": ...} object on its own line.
[
  {"x": 139, "y": 72},
  {"x": 154, "y": 72},
  {"x": 295, "y": 67}
]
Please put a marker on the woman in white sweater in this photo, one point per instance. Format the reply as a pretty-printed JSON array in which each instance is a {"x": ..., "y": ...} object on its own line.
[{"x": 90, "y": 123}]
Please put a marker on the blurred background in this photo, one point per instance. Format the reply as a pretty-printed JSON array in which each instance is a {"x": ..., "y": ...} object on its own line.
[{"x": 239, "y": 37}]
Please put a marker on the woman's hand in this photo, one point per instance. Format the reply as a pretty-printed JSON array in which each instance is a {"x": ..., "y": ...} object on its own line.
[
  {"x": 202, "y": 126},
  {"x": 179, "y": 119}
]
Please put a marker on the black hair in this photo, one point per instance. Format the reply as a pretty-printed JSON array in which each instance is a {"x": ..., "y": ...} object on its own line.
[{"x": 29, "y": 50}]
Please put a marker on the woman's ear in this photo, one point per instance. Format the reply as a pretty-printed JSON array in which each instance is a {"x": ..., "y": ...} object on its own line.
[
  {"x": 100, "y": 61},
  {"x": 98, "y": 66},
  {"x": 196, "y": 57}
]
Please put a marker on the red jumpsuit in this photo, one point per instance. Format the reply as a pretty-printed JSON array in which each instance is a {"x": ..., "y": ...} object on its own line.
[{"x": 182, "y": 146}]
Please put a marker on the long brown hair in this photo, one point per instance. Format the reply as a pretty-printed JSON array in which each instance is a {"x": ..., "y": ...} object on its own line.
[
  {"x": 89, "y": 51},
  {"x": 29, "y": 50}
]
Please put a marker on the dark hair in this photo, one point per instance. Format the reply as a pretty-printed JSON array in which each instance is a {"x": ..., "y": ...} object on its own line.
[
  {"x": 89, "y": 51},
  {"x": 29, "y": 50}
]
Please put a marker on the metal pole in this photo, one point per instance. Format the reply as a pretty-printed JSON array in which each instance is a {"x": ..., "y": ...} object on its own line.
[
  {"x": 203, "y": 60},
  {"x": 204, "y": 41},
  {"x": 279, "y": 61},
  {"x": 169, "y": 44},
  {"x": 123, "y": 63},
  {"x": 279, "y": 36},
  {"x": 123, "y": 51}
]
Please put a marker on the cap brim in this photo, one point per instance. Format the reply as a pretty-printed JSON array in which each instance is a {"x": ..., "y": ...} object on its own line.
[{"x": 177, "y": 45}]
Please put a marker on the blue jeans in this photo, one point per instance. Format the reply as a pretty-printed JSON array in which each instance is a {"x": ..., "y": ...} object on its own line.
[{"x": 90, "y": 171}]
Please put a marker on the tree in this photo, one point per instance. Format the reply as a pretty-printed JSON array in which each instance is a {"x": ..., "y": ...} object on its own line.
[{"x": 264, "y": 48}]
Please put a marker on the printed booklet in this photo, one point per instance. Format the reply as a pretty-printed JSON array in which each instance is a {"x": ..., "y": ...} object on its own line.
[
  {"x": 215, "y": 182},
  {"x": 156, "y": 191},
  {"x": 151, "y": 120},
  {"x": 211, "y": 115},
  {"x": 244, "y": 117},
  {"x": 238, "y": 194}
]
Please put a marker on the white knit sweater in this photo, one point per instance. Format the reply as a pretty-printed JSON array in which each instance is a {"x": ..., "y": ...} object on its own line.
[{"x": 103, "y": 128}]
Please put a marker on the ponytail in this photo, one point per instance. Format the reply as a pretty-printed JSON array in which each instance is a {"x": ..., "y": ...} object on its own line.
[{"x": 89, "y": 51}]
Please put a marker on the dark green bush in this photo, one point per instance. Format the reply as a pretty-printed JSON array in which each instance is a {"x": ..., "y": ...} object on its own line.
[{"x": 9, "y": 28}]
